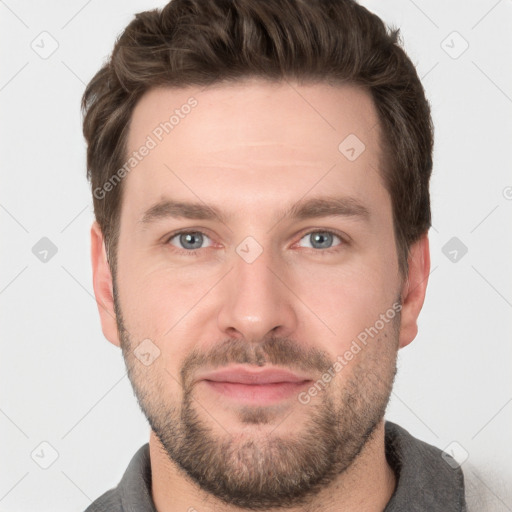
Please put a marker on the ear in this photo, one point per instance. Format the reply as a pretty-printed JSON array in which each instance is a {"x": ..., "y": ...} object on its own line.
[
  {"x": 102, "y": 283},
  {"x": 414, "y": 289}
]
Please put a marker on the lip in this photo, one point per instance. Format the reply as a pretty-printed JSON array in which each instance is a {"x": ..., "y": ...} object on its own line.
[
  {"x": 255, "y": 387},
  {"x": 260, "y": 376}
]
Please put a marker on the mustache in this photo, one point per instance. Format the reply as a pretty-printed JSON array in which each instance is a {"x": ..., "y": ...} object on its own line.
[{"x": 283, "y": 352}]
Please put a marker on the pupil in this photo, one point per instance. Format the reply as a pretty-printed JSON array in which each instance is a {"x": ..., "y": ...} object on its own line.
[
  {"x": 188, "y": 238},
  {"x": 322, "y": 239}
]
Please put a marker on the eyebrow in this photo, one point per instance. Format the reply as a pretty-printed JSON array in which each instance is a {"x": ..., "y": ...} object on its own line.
[{"x": 302, "y": 210}]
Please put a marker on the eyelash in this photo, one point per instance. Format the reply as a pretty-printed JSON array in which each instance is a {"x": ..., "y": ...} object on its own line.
[{"x": 194, "y": 252}]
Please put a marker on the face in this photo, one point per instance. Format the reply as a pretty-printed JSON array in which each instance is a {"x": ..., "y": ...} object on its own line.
[{"x": 254, "y": 236}]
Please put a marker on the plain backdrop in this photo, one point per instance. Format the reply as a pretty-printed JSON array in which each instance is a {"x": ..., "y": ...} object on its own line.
[{"x": 65, "y": 400}]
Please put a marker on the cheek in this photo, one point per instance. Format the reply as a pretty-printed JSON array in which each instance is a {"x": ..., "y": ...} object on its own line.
[
  {"x": 163, "y": 303},
  {"x": 152, "y": 295},
  {"x": 346, "y": 299}
]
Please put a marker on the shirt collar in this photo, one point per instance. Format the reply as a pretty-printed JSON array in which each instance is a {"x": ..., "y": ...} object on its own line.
[{"x": 425, "y": 479}]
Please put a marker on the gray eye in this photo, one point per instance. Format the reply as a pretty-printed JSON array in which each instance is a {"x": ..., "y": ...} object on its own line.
[
  {"x": 190, "y": 240},
  {"x": 320, "y": 239}
]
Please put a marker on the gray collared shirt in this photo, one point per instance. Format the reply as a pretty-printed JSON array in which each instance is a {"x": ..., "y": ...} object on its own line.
[{"x": 427, "y": 479}]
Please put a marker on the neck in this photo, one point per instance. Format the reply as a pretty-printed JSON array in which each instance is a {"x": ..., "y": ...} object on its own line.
[{"x": 366, "y": 486}]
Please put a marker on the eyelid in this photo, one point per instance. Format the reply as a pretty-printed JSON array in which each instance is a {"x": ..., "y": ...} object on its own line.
[
  {"x": 168, "y": 238},
  {"x": 342, "y": 237},
  {"x": 194, "y": 252},
  {"x": 345, "y": 240}
]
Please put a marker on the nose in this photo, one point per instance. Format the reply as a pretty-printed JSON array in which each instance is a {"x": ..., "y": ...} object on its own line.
[{"x": 256, "y": 302}]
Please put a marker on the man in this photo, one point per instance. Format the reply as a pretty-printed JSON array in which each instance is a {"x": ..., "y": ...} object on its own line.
[{"x": 260, "y": 177}]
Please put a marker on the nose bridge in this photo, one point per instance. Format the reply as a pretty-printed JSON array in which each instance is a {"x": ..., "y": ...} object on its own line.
[{"x": 256, "y": 300}]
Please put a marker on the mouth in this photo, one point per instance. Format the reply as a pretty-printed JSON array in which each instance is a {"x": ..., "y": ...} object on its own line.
[{"x": 262, "y": 386}]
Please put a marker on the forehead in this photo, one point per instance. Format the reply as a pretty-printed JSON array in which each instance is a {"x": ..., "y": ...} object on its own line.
[
  {"x": 255, "y": 110},
  {"x": 251, "y": 134}
]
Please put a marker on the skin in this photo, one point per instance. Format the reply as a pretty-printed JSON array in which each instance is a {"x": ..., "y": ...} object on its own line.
[{"x": 252, "y": 149}]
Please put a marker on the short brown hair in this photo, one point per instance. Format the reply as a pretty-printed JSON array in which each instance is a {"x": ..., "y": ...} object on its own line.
[{"x": 201, "y": 42}]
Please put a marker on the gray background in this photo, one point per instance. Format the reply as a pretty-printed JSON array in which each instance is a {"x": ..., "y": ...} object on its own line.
[{"x": 64, "y": 385}]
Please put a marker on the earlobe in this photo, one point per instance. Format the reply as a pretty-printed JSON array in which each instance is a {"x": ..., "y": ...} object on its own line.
[
  {"x": 103, "y": 286},
  {"x": 414, "y": 289}
]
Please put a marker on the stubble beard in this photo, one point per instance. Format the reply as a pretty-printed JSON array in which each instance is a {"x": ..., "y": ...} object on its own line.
[{"x": 268, "y": 470}]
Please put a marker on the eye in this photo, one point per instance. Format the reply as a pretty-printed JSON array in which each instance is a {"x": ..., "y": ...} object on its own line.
[
  {"x": 188, "y": 241},
  {"x": 321, "y": 240}
]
